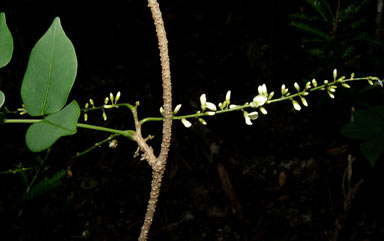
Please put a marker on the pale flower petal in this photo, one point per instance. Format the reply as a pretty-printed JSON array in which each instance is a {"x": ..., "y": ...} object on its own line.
[
  {"x": 253, "y": 115},
  {"x": 210, "y": 106}
]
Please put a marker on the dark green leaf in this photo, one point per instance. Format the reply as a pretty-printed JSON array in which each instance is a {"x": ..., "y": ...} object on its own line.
[
  {"x": 322, "y": 8},
  {"x": 43, "y": 134},
  {"x": 311, "y": 29},
  {"x": 351, "y": 10},
  {"x": 368, "y": 126},
  {"x": 371, "y": 151},
  {"x": 50, "y": 73},
  {"x": 6, "y": 42},
  {"x": 45, "y": 185}
]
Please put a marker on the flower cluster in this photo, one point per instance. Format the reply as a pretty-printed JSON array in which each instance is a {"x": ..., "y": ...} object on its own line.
[
  {"x": 298, "y": 99},
  {"x": 109, "y": 103},
  {"x": 258, "y": 102}
]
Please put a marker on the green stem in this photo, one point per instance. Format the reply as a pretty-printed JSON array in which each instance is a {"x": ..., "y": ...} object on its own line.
[
  {"x": 126, "y": 133},
  {"x": 96, "y": 145}
]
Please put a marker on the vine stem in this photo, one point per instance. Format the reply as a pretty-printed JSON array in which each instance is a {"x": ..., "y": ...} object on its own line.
[
  {"x": 158, "y": 164},
  {"x": 126, "y": 133}
]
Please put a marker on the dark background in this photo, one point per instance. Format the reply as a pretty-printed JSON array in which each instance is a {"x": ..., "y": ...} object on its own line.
[{"x": 222, "y": 180}]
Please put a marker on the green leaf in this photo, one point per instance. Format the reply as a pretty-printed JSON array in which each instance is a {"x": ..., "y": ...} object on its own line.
[
  {"x": 50, "y": 73},
  {"x": 2, "y": 98},
  {"x": 43, "y": 134},
  {"x": 45, "y": 185},
  {"x": 6, "y": 42}
]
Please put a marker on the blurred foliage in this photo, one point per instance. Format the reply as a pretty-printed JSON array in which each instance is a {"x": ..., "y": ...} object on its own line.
[
  {"x": 335, "y": 35},
  {"x": 368, "y": 126}
]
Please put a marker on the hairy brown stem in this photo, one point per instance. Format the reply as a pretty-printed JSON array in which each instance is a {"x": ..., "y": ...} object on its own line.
[{"x": 157, "y": 164}]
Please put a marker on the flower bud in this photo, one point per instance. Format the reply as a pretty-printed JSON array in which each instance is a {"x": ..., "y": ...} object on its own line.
[
  {"x": 228, "y": 97},
  {"x": 202, "y": 121},
  {"x": 117, "y": 97},
  {"x": 85, "y": 117},
  {"x": 262, "y": 89},
  {"x": 203, "y": 101},
  {"x": 177, "y": 108},
  {"x": 210, "y": 106},
  {"x": 334, "y": 74},
  {"x": 345, "y": 85},
  {"x": 186, "y": 123},
  {"x": 111, "y": 97},
  {"x": 304, "y": 101},
  {"x": 297, "y": 86},
  {"x": 296, "y": 105},
  {"x": 106, "y": 100},
  {"x": 113, "y": 144},
  {"x": 314, "y": 82},
  {"x": 263, "y": 110},
  {"x": 283, "y": 90},
  {"x": 308, "y": 85}
]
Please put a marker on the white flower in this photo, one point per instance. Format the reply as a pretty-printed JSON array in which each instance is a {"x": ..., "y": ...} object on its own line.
[
  {"x": 205, "y": 104},
  {"x": 259, "y": 100},
  {"x": 247, "y": 118}
]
